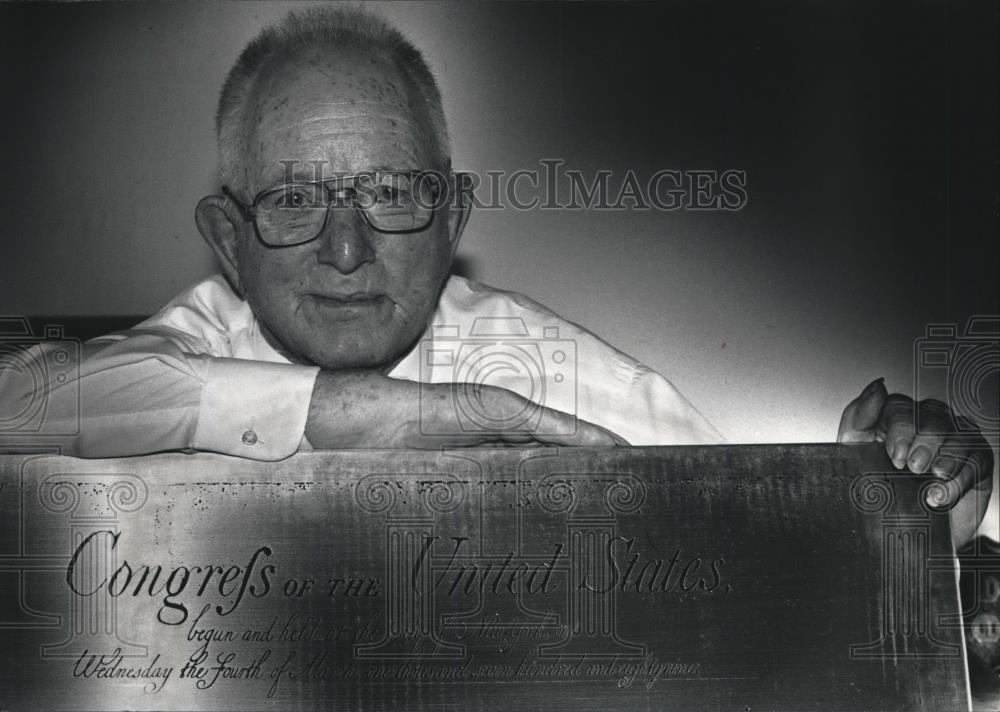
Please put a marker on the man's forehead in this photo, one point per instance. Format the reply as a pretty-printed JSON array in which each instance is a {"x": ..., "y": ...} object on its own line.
[
  {"x": 332, "y": 117},
  {"x": 351, "y": 111}
]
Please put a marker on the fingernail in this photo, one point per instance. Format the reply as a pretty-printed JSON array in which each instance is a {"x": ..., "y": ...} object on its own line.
[
  {"x": 899, "y": 457},
  {"x": 919, "y": 459},
  {"x": 872, "y": 387}
]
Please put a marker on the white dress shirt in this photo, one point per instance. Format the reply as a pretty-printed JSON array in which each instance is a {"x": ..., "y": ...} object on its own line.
[{"x": 201, "y": 375}]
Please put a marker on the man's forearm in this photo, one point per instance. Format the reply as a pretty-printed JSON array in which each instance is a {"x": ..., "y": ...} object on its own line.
[
  {"x": 356, "y": 408},
  {"x": 144, "y": 394}
]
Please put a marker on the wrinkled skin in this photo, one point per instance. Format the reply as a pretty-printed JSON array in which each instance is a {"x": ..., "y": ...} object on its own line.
[
  {"x": 354, "y": 297},
  {"x": 950, "y": 448},
  {"x": 354, "y": 301}
]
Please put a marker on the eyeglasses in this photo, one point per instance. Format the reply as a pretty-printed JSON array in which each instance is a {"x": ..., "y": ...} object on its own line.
[{"x": 391, "y": 201}]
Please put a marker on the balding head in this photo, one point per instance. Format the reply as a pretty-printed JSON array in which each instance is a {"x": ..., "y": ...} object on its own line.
[{"x": 342, "y": 42}]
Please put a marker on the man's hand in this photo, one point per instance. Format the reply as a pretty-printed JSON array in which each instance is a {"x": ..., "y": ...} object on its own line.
[
  {"x": 947, "y": 445},
  {"x": 365, "y": 409}
]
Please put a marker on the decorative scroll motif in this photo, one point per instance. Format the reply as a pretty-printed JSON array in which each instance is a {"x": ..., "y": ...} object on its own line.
[
  {"x": 409, "y": 503},
  {"x": 557, "y": 495},
  {"x": 597, "y": 495},
  {"x": 399, "y": 494},
  {"x": 376, "y": 493},
  {"x": 871, "y": 494},
  {"x": 92, "y": 503},
  {"x": 625, "y": 495},
  {"x": 905, "y": 620},
  {"x": 442, "y": 496},
  {"x": 91, "y": 497},
  {"x": 591, "y": 502}
]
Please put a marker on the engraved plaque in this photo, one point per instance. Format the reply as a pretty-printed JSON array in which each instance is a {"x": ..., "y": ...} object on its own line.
[{"x": 733, "y": 578}]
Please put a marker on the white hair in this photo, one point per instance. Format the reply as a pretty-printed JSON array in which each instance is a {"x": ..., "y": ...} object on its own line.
[{"x": 323, "y": 28}]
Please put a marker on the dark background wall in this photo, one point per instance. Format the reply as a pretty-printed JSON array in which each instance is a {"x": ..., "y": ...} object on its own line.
[{"x": 868, "y": 132}]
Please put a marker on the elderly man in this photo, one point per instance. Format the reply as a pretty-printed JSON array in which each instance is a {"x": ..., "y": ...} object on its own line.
[{"x": 336, "y": 323}]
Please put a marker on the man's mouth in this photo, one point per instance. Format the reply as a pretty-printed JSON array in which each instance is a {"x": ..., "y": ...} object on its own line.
[
  {"x": 349, "y": 306},
  {"x": 351, "y": 298}
]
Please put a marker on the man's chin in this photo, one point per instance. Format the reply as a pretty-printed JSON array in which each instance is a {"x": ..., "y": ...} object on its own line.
[
  {"x": 363, "y": 356},
  {"x": 354, "y": 364},
  {"x": 356, "y": 334}
]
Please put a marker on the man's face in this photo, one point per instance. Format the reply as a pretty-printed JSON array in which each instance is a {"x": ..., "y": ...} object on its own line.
[{"x": 354, "y": 297}]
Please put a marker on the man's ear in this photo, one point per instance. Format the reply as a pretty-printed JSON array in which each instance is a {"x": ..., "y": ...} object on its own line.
[
  {"x": 220, "y": 225},
  {"x": 459, "y": 208}
]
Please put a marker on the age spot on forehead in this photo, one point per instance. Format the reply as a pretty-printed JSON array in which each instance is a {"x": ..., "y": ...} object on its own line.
[
  {"x": 354, "y": 114},
  {"x": 321, "y": 69}
]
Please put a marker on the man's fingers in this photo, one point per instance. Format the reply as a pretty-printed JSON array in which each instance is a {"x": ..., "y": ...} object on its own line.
[
  {"x": 897, "y": 425},
  {"x": 966, "y": 471},
  {"x": 923, "y": 450},
  {"x": 870, "y": 404},
  {"x": 858, "y": 423},
  {"x": 585, "y": 435},
  {"x": 508, "y": 418},
  {"x": 590, "y": 435},
  {"x": 547, "y": 425},
  {"x": 561, "y": 428},
  {"x": 962, "y": 471},
  {"x": 933, "y": 421}
]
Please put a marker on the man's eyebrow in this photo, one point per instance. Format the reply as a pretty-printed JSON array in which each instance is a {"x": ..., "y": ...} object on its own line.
[{"x": 383, "y": 167}]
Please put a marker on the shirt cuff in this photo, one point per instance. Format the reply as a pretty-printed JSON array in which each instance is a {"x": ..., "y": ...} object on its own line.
[{"x": 253, "y": 409}]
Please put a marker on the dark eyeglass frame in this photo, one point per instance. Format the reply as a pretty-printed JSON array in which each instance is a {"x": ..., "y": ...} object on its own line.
[{"x": 249, "y": 212}]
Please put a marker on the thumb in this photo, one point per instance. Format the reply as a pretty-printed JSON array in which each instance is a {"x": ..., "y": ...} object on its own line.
[{"x": 861, "y": 415}]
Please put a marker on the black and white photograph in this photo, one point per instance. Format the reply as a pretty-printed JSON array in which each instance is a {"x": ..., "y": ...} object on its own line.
[{"x": 501, "y": 355}]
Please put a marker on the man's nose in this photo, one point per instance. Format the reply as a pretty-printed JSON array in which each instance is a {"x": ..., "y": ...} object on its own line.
[{"x": 346, "y": 240}]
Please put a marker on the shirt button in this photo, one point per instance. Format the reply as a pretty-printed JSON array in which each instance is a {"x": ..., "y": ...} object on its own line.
[{"x": 249, "y": 438}]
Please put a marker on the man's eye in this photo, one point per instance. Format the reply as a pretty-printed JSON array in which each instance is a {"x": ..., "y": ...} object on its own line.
[
  {"x": 296, "y": 198},
  {"x": 390, "y": 195}
]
